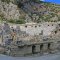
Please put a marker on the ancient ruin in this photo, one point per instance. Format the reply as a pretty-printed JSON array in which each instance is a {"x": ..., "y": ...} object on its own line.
[{"x": 29, "y": 38}]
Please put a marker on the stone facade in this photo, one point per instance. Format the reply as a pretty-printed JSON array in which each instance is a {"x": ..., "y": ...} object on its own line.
[
  {"x": 21, "y": 43},
  {"x": 36, "y": 29}
]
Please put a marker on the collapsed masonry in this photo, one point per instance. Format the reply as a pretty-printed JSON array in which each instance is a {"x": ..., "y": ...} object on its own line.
[{"x": 32, "y": 38}]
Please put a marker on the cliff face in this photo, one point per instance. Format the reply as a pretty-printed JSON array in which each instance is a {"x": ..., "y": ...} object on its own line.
[
  {"x": 41, "y": 11},
  {"x": 29, "y": 10},
  {"x": 9, "y": 11}
]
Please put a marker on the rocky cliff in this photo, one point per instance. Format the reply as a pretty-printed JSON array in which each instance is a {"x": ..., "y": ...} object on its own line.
[
  {"x": 22, "y": 11},
  {"x": 10, "y": 12}
]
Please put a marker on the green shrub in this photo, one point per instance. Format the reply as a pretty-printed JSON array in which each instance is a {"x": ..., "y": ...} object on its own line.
[
  {"x": 20, "y": 21},
  {"x": 11, "y": 21}
]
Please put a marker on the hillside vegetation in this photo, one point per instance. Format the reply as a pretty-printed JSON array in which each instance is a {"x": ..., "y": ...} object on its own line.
[{"x": 21, "y": 11}]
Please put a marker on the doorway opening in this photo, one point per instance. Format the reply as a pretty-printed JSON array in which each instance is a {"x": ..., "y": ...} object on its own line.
[
  {"x": 33, "y": 49},
  {"x": 41, "y": 47},
  {"x": 49, "y": 45}
]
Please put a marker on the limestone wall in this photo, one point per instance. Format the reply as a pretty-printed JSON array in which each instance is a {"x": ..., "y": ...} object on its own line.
[
  {"x": 31, "y": 32},
  {"x": 35, "y": 29},
  {"x": 41, "y": 48}
]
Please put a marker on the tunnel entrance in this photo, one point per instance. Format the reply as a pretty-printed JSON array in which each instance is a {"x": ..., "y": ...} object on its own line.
[{"x": 33, "y": 49}]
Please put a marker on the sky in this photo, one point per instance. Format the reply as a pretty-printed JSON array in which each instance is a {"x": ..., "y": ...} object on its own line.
[{"x": 53, "y": 1}]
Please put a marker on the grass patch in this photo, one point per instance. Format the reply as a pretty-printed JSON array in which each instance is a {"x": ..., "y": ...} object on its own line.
[{"x": 20, "y": 21}]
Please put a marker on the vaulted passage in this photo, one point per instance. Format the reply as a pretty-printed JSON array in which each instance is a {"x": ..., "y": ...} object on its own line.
[{"x": 33, "y": 49}]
